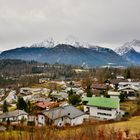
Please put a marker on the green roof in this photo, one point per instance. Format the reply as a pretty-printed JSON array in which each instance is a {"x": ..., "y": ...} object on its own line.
[{"x": 102, "y": 102}]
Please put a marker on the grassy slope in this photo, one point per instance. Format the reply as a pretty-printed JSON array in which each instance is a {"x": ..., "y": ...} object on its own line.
[{"x": 133, "y": 124}]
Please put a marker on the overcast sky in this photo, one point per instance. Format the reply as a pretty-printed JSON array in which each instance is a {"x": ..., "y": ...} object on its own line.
[{"x": 101, "y": 22}]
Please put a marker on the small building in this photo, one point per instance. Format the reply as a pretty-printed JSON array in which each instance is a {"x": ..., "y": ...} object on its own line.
[
  {"x": 14, "y": 116},
  {"x": 61, "y": 116},
  {"x": 114, "y": 94},
  {"x": 102, "y": 108}
]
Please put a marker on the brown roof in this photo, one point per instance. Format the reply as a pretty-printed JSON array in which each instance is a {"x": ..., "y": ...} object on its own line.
[
  {"x": 116, "y": 81},
  {"x": 99, "y": 86}
]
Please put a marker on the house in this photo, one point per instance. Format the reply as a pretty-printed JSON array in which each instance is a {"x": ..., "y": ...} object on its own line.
[
  {"x": 78, "y": 91},
  {"x": 130, "y": 92},
  {"x": 61, "y": 116},
  {"x": 98, "y": 88},
  {"x": 114, "y": 94},
  {"x": 59, "y": 95},
  {"x": 28, "y": 91},
  {"x": 14, "y": 116},
  {"x": 135, "y": 84},
  {"x": 46, "y": 105},
  {"x": 102, "y": 108}
]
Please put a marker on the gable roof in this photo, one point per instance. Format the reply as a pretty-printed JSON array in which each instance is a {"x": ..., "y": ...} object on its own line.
[
  {"x": 14, "y": 113},
  {"x": 73, "y": 112},
  {"x": 102, "y": 102},
  {"x": 55, "y": 113},
  {"x": 128, "y": 87},
  {"x": 68, "y": 111}
]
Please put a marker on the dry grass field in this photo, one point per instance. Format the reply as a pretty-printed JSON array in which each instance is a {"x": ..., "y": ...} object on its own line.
[{"x": 97, "y": 131}]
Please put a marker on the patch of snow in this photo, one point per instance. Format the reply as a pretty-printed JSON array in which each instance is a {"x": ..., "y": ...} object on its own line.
[{"x": 135, "y": 44}]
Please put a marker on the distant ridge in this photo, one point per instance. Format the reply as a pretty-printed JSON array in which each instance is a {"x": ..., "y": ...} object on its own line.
[{"x": 75, "y": 53}]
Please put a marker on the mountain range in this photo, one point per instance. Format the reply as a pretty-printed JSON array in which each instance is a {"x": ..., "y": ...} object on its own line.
[{"x": 76, "y": 53}]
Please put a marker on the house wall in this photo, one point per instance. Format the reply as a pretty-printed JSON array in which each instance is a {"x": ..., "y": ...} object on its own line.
[
  {"x": 41, "y": 119},
  {"x": 11, "y": 119},
  {"x": 77, "y": 121},
  {"x": 22, "y": 117},
  {"x": 132, "y": 98},
  {"x": 19, "y": 118},
  {"x": 59, "y": 122},
  {"x": 114, "y": 96},
  {"x": 104, "y": 114},
  {"x": 62, "y": 121},
  {"x": 86, "y": 109}
]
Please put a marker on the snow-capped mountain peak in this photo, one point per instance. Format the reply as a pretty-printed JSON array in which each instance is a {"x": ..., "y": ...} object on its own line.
[
  {"x": 49, "y": 43},
  {"x": 123, "y": 49},
  {"x": 133, "y": 45}
]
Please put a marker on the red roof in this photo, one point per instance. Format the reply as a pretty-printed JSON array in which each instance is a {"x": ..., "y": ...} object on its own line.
[{"x": 46, "y": 104}]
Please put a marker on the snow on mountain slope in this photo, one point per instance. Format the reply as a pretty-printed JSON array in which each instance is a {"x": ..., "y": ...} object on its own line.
[
  {"x": 128, "y": 46},
  {"x": 50, "y": 43}
]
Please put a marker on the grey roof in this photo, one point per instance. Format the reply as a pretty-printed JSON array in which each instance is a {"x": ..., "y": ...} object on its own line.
[
  {"x": 55, "y": 113},
  {"x": 63, "y": 111},
  {"x": 14, "y": 113},
  {"x": 73, "y": 111}
]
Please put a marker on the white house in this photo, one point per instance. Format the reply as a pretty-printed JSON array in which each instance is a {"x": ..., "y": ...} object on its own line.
[
  {"x": 129, "y": 83},
  {"x": 130, "y": 92},
  {"x": 114, "y": 94},
  {"x": 28, "y": 91},
  {"x": 61, "y": 116},
  {"x": 14, "y": 116},
  {"x": 102, "y": 108}
]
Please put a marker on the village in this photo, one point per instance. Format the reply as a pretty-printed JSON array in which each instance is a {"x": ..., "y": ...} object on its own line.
[{"x": 62, "y": 103}]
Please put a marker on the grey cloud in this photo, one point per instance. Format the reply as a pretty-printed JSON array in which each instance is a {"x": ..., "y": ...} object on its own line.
[{"x": 108, "y": 22}]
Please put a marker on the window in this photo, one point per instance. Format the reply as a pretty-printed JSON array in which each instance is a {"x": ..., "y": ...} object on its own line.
[
  {"x": 104, "y": 114},
  {"x": 103, "y": 108}
]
